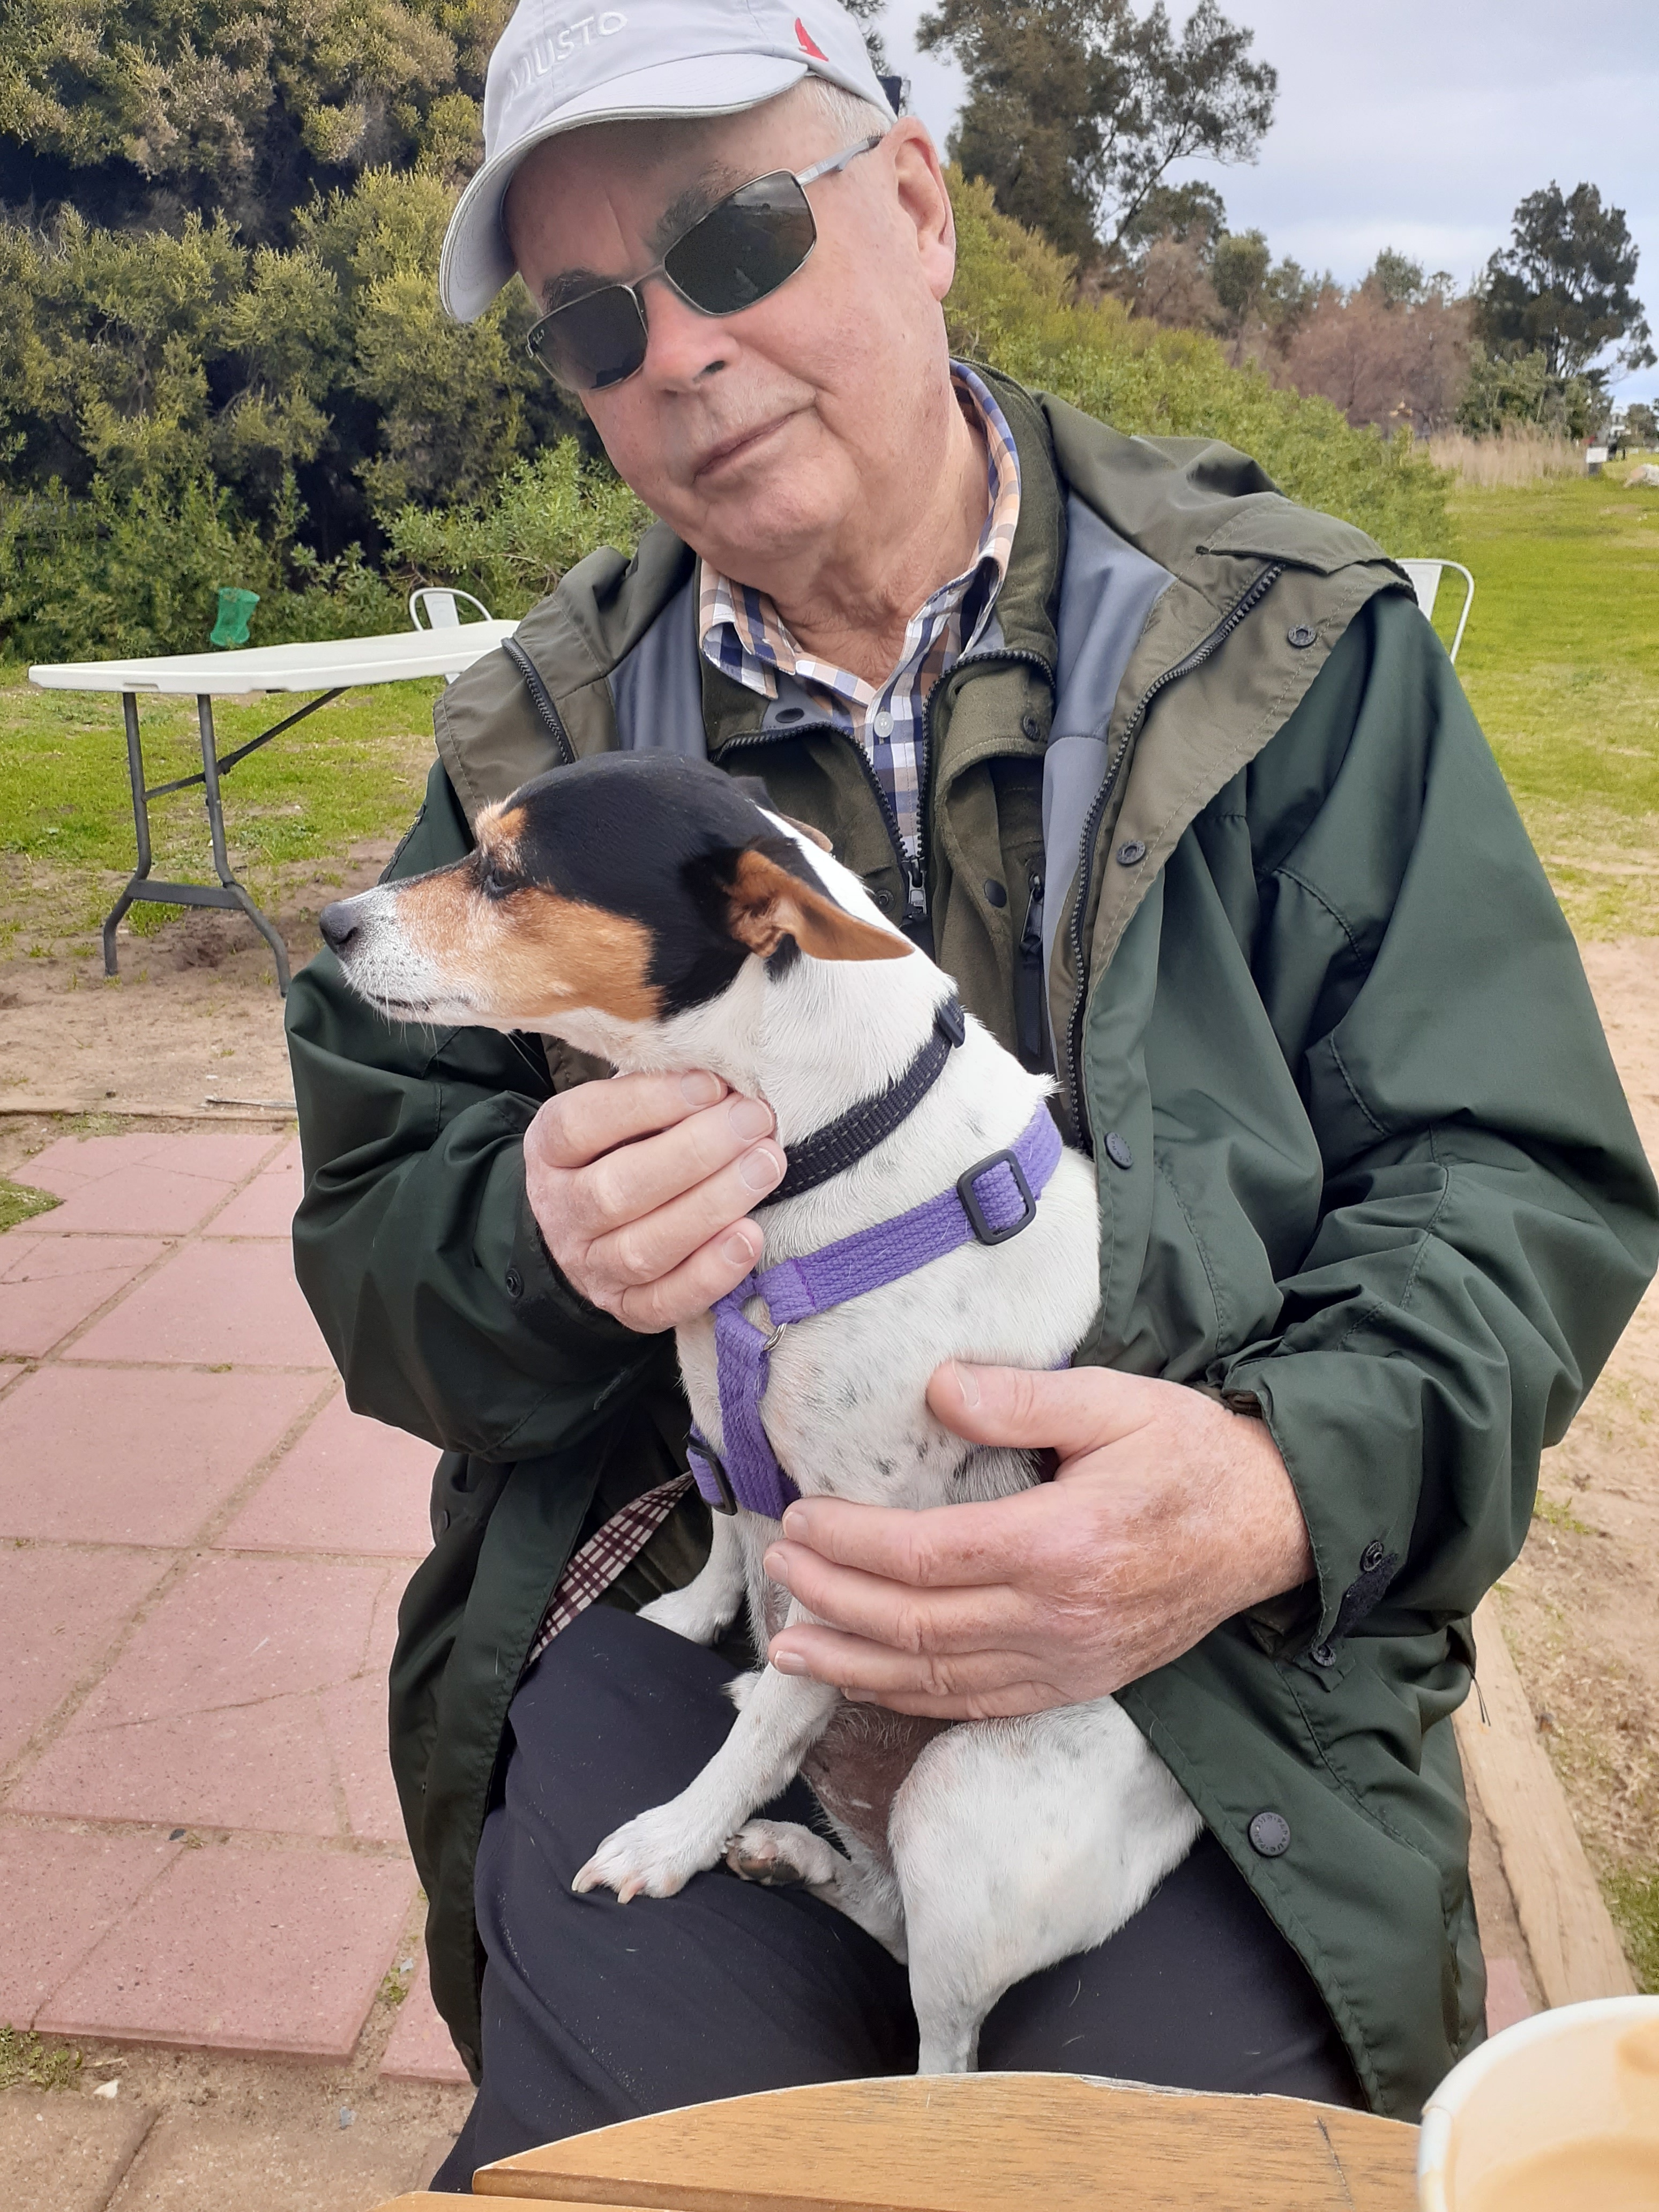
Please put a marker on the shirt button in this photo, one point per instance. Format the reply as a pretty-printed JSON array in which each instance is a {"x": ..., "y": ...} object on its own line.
[
  {"x": 883, "y": 724},
  {"x": 1270, "y": 1835},
  {"x": 1131, "y": 852},
  {"x": 1117, "y": 1151},
  {"x": 1301, "y": 636},
  {"x": 515, "y": 1284},
  {"x": 1371, "y": 1558}
]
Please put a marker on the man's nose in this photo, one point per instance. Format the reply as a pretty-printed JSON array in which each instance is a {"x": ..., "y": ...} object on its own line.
[
  {"x": 340, "y": 924},
  {"x": 681, "y": 344}
]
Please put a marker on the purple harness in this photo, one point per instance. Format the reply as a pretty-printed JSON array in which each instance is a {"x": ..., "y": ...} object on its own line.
[{"x": 989, "y": 1203}]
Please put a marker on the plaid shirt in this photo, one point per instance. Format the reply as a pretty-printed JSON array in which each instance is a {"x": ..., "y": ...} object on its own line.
[
  {"x": 743, "y": 635},
  {"x": 603, "y": 1558}
]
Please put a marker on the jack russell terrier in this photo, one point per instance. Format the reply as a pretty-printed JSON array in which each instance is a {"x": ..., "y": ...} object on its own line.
[{"x": 651, "y": 910}]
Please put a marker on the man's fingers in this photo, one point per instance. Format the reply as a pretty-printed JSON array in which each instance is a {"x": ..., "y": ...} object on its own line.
[
  {"x": 632, "y": 1182},
  {"x": 692, "y": 1287},
  {"x": 591, "y": 1119},
  {"x": 869, "y": 1672},
  {"x": 944, "y": 1547},
  {"x": 652, "y": 1245},
  {"x": 905, "y": 1620},
  {"x": 1074, "y": 1411}
]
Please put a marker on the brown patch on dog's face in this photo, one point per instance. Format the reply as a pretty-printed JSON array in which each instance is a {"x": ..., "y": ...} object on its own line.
[
  {"x": 768, "y": 903},
  {"x": 517, "y": 949}
]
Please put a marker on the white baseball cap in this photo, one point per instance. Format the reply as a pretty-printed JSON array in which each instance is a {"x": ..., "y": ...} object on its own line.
[{"x": 562, "y": 63}]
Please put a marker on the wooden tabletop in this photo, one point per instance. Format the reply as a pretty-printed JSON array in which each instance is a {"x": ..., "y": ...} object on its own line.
[{"x": 981, "y": 2143}]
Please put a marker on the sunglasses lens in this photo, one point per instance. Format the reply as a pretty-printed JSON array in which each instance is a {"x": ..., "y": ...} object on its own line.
[
  {"x": 593, "y": 342},
  {"x": 745, "y": 247}
]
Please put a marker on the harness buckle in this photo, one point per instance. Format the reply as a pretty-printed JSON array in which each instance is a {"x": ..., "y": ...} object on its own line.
[
  {"x": 706, "y": 1460},
  {"x": 985, "y": 1231}
]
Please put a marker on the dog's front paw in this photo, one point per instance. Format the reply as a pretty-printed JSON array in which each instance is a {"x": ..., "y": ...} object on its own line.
[
  {"x": 781, "y": 1853},
  {"x": 690, "y": 1612},
  {"x": 653, "y": 1855}
]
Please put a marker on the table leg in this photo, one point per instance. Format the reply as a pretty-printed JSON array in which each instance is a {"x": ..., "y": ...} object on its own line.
[
  {"x": 220, "y": 859},
  {"x": 140, "y": 823}
]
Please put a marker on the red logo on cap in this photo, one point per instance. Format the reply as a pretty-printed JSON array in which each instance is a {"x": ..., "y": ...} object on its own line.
[{"x": 806, "y": 38}]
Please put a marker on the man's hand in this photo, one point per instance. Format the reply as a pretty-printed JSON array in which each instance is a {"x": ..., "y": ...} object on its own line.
[
  {"x": 641, "y": 1186},
  {"x": 1168, "y": 1516}
]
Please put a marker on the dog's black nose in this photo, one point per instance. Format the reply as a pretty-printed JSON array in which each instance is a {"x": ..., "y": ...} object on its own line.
[{"x": 339, "y": 926}]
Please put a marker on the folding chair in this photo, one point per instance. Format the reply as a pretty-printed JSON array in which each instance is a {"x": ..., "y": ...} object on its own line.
[
  {"x": 438, "y": 603},
  {"x": 1425, "y": 582}
]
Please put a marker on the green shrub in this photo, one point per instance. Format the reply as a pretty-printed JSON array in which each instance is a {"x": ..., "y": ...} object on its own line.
[
  {"x": 511, "y": 548},
  {"x": 1012, "y": 305}
]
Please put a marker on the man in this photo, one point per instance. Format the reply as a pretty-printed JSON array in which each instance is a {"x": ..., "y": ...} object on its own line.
[{"x": 1175, "y": 780}]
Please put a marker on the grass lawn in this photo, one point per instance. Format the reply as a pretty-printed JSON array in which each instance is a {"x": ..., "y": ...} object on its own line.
[
  {"x": 1561, "y": 662},
  {"x": 354, "y": 771}
]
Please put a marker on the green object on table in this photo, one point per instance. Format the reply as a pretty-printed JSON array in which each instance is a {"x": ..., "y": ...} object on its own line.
[{"x": 235, "y": 610}]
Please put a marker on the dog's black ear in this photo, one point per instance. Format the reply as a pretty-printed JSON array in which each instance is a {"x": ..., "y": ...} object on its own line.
[
  {"x": 753, "y": 788},
  {"x": 766, "y": 901}
]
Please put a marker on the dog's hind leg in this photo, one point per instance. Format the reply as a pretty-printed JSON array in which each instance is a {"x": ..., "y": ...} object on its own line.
[
  {"x": 1020, "y": 1843},
  {"x": 781, "y": 1854},
  {"x": 709, "y": 1603}
]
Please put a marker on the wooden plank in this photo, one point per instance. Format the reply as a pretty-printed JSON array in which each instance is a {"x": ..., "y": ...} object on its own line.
[
  {"x": 1575, "y": 1947},
  {"x": 986, "y": 2142}
]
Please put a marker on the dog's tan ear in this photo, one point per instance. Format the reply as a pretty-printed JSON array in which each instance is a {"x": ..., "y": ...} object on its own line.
[
  {"x": 812, "y": 837},
  {"x": 767, "y": 903}
]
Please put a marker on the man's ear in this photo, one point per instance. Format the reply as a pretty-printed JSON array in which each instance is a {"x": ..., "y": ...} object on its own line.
[{"x": 767, "y": 902}]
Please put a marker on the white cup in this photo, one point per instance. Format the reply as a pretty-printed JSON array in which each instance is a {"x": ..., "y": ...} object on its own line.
[{"x": 1558, "y": 2114}]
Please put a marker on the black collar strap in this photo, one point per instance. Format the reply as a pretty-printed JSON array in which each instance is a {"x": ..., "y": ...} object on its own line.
[{"x": 841, "y": 1144}]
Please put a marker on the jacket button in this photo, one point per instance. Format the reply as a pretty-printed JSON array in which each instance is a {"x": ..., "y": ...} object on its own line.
[
  {"x": 1131, "y": 852},
  {"x": 1303, "y": 635},
  {"x": 995, "y": 892},
  {"x": 1117, "y": 1151},
  {"x": 1270, "y": 1835},
  {"x": 1371, "y": 1558},
  {"x": 1030, "y": 727},
  {"x": 1323, "y": 1654},
  {"x": 515, "y": 1284},
  {"x": 883, "y": 901}
]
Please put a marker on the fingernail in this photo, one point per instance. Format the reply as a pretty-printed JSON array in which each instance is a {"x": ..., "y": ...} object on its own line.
[
  {"x": 968, "y": 1382},
  {"x": 760, "y": 1169},
  {"x": 699, "y": 1088},
  {"x": 788, "y": 1663},
  {"x": 749, "y": 1118},
  {"x": 776, "y": 1566},
  {"x": 860, "y": 1697},
  {"x": 795, "y": 1524},
  {"x": 737, "y": 1251}
]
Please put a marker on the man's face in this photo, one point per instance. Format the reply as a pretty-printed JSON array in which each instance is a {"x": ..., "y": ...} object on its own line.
[{"x": 758, "y": 436}]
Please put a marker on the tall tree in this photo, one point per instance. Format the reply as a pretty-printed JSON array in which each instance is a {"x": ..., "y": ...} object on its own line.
[
  {"x": 870, "y": 13},
  {"x": 1562, "y": 287},
  {"x": 1077, "y": 109}
]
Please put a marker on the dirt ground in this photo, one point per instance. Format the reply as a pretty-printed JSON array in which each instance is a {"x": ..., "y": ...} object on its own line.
[{"x": 193, "y": 1014}]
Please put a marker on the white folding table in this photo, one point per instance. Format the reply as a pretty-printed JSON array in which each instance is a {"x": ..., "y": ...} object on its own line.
[{"x": 334, "y": 665}]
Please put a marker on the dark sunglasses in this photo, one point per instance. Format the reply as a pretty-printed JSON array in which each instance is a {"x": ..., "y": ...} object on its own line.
[{"x": 754, "y": 241}]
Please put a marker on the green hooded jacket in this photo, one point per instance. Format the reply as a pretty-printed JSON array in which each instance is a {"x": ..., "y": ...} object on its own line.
[{"x": 1209, "y": 828}]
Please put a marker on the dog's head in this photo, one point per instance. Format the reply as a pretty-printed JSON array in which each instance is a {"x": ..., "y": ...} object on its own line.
[{"x": 627, "y": 888}]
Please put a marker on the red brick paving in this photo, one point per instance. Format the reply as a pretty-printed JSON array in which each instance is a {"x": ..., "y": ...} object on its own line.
[
  {"x": 201, "y": 1556},
  {"x": 242, "y": 1949},
  {"x": 420, "y": 2049}
]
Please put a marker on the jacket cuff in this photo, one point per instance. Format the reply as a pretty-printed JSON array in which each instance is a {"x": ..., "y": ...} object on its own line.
[
  {"x": 543, "y": 1299},
  {"x": 1358, "y": 1508}
]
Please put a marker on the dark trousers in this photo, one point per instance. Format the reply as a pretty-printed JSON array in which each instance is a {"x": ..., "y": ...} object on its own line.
[{"x": 595, "y": 2012}]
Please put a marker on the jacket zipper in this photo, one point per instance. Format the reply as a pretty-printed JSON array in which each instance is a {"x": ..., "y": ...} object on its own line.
[
  {"x": 540, "y": 698},
  {"x": 1028, "y": 980},
  {"x": 1200, "y": 653}
]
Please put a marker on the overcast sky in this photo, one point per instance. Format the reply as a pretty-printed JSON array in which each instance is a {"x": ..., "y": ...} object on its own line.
[{"x": 1419, "y": 125}]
